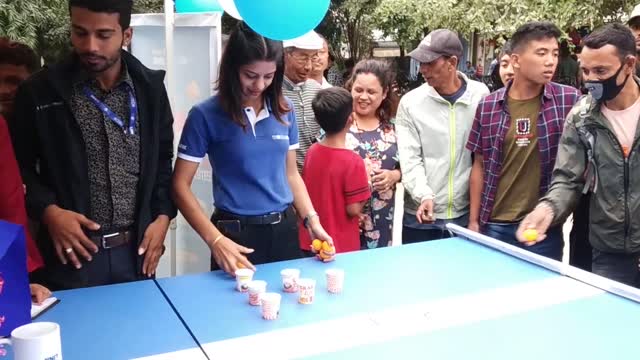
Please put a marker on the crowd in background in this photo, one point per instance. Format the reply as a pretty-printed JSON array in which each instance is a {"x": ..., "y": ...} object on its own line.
[{"x": 301, "y": 151}]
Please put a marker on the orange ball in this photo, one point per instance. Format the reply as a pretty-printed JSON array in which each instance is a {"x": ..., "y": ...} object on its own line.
[
  {"x": 316, "y": 245},
  {"x": 326, "y": 255},
  {"x": 327, "y": 247}
]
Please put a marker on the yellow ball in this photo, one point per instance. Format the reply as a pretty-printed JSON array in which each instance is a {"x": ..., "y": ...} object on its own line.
[
  {"x": 316, "y": 244},
  {"x": 530, "y": 234}
]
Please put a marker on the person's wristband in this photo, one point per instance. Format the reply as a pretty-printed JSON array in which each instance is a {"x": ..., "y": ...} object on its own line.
[
  {"x": 216, "y": 240},
  {"x": 307, "y": 219}
]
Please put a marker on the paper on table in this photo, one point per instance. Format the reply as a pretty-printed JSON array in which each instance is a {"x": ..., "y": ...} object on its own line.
[{"x": 38, "y": 309}]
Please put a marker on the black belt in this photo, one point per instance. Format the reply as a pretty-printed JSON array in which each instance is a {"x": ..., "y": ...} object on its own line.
[
  {"x": 112, "y": 240},
  {"x": 266, "y": 219}
]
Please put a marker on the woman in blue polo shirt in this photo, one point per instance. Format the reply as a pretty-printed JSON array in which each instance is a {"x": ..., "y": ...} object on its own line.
[{"x": 249, "y": 132}]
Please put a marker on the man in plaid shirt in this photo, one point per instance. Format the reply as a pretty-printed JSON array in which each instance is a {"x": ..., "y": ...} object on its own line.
[{"x": 515, "y": 139}]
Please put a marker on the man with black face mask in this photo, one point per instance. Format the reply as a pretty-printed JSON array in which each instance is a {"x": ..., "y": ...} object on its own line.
[{"x": 598, "y": 154}]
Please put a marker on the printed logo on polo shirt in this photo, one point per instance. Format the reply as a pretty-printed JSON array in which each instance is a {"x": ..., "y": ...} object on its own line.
[
  {"x": 523, "y": 132},
  {"x": 280, "y": 137}
]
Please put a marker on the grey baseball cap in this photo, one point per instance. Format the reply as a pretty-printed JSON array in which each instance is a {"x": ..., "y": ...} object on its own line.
[{"x": 438, "y": 43}]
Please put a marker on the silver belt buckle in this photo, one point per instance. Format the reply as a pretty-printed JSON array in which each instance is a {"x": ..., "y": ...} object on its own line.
[
  {"x": 104, "y": 240},
  {"x": 277, "y": 221}
]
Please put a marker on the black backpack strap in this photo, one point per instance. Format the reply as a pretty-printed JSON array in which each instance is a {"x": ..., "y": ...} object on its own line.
[{"x": 588, "y": 140}]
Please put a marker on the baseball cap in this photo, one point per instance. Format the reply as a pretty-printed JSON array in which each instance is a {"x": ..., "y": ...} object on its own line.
[
  {"x": 438, "y": 43},
  {"x": 635, "y": 14},
  {"x": 308, "y": 41}
]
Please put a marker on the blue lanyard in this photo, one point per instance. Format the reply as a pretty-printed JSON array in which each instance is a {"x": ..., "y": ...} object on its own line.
[{"x": 133, "y": 105}]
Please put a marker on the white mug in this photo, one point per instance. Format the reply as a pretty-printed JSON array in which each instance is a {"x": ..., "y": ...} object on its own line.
[{"x": 35, "y": 341}]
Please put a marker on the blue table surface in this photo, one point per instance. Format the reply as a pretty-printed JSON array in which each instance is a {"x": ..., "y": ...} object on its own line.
[
  {"x": 374, "y": 280},
  {"x": 594, "y": 328},
  {"x": 121, "y": 321},
  {"x": 134, "y": 320}
]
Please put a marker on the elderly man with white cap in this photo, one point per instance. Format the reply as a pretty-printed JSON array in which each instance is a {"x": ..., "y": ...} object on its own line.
[
  {"x": 634, "y": 25},
  {"x": 300, "y": 55},
  {"x": 433, "y": 123}
]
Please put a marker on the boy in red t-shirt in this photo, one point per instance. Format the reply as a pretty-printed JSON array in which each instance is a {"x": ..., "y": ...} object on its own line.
[{"x": 335, "y": 177}]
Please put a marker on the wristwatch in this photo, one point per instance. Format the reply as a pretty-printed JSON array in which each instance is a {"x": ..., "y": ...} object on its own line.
[{"x": 307, "y": 218}]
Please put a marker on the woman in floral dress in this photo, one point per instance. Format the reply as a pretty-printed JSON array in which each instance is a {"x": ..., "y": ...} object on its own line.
[{"x": 373, "y": 137}]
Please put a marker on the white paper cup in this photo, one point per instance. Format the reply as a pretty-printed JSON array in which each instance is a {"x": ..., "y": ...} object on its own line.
[
  {"x": 243, "y": 278},
  {"x": 38, "y": 340},
  {"x": 306, "y": 291},
  {"x": 335, "y": 280},
  {"x": 290, "y": 280},
  {"x": 256, "y": 288},
  {"x": 270, "y": 305}
]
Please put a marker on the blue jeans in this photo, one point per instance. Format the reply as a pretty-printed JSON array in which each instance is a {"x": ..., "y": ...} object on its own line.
[
  {"x": 551, "y": 247},
  {"x": 619, "y": 267}
]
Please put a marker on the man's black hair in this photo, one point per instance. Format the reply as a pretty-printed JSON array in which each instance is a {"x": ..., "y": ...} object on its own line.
[
  {"x": 120, "y": 7},
  {"x": 614, "y": 34},
  {"x": 533, "y": 31},
  {"x": 18, "y": 54}
]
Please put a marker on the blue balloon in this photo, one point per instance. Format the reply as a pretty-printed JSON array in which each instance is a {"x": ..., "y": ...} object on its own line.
[
  {"x": 282, "y": 19},
  {"x": 197, "y": 6}
]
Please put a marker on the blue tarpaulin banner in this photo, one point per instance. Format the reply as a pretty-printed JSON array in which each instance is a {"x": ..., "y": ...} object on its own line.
[{"x": 15, "y": 297}]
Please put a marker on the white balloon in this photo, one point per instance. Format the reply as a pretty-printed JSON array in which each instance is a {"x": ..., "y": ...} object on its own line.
[{"x": 229, "y": 6}]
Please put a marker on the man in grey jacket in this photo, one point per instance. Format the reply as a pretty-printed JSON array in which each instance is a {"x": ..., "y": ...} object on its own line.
[
  {"x": 433, "y": 124},
  {"x": 598, "y": 154}
]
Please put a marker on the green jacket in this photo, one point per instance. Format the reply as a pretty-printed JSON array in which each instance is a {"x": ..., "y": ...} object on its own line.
[{"x": 612, "y": 179}]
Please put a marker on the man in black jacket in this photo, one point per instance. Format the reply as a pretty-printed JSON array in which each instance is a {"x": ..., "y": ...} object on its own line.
[{"x": 94, "y": 140}]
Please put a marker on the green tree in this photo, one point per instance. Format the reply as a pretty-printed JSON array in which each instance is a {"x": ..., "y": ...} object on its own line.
[
  {"x": 44, "y": 24},
  {"x": 41, "y": 24},
  {"x": 407, "y": 20},
  {"x": 402, "y": 20},
  {"x": 148, "y": 6},
  {"x": 349, "y": 22}
]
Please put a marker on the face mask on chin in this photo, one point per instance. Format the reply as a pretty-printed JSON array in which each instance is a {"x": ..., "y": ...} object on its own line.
[{"x": 607, "y": 89}]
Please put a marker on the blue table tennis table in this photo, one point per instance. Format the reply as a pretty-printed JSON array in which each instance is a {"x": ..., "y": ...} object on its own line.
[
  {"x": 469, "y": 297},
  {"x": 447, "y": 299},
  {"x": 124, "y": 321}
]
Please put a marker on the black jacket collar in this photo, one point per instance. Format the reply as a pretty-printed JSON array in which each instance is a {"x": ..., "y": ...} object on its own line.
[{"x": 61, "y": 75}]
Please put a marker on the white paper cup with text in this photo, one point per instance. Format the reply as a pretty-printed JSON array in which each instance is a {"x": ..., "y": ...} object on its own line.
[
  {"x": 306, "y": 291},
  {"x": 335, "y": 280},
  {"x": 270, "y": 305},
  {"x": 256, "y": 288},
  {"x": 36, "y": 341},
  {"x": 243, "y": 278},
  {"x": 290, "y": 280}
]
